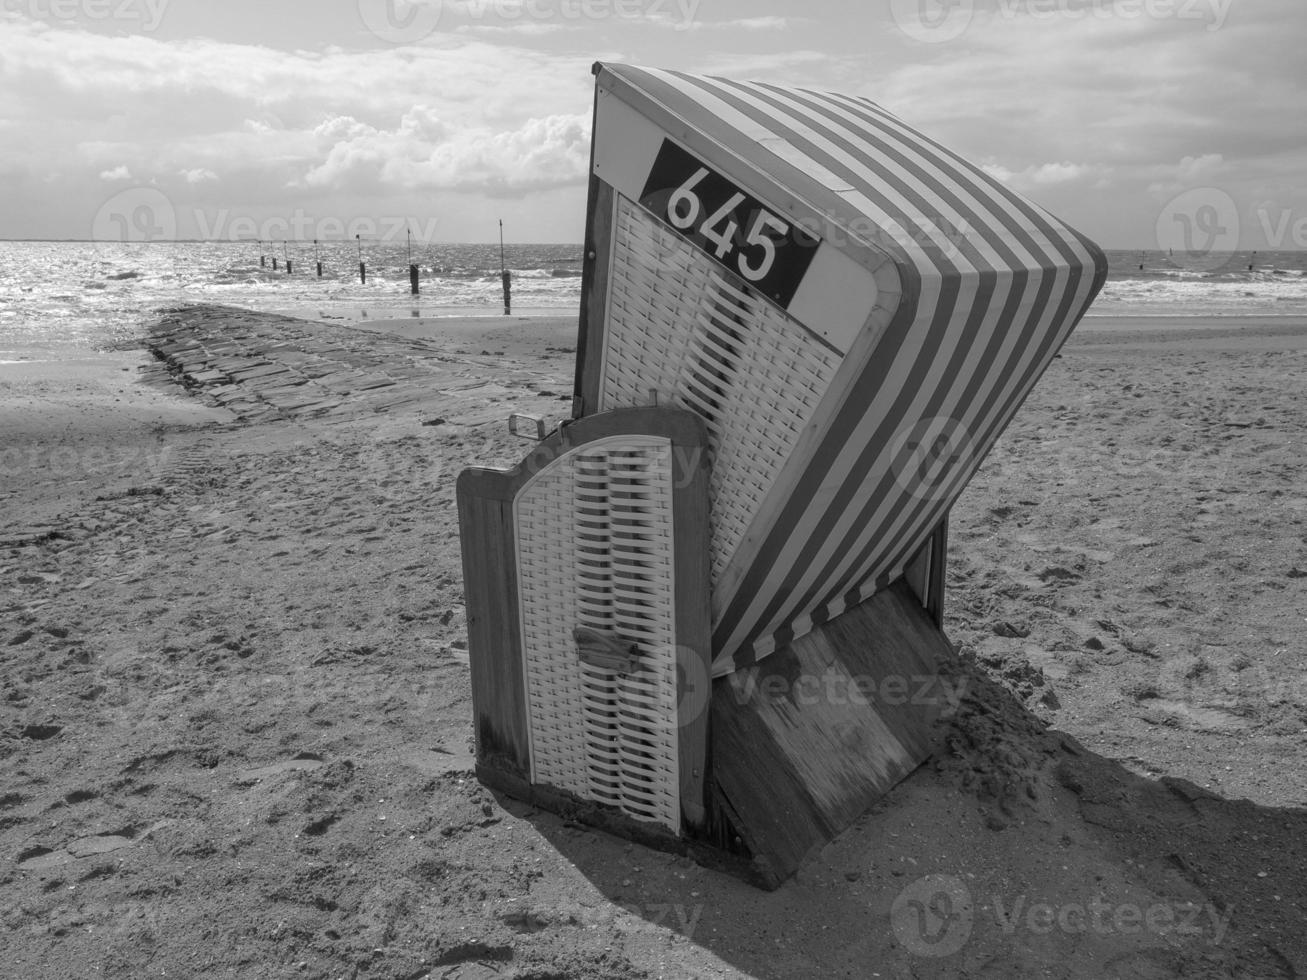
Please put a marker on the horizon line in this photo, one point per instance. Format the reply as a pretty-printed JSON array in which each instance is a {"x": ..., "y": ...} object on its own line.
[{"x": 342, "y": 241}]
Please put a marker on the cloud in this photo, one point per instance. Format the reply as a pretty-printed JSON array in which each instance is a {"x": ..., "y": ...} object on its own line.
[
  {"x": 1199, "y": 168},
  {"x": 173, "y": 112},
  {"x": 137, "y": 82},
  {"x": 1151, "y": 105},
  {"x": 424, "y": 152},
  {"x": 761, "y": 23},
  {"x": 1043, "y": 174},
  {"x": 1171, "y": 178},
  {"x": 1059, "y": 173},
  {"x": 535, "y": 28},
  {"x": 261, "y": 126},
  {"x": 795, "y": 66},
  {"x": 769, "y": 23},
  {"x": 340, "y": 129},
  {"x": 1119, "y": 90},
  {"x": 538, "y": 17},
  {"x": 1061, "y": 106}
]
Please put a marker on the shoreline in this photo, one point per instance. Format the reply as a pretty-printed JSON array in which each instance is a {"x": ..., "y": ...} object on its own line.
[
  {"x": 462, "y": 324},
  {"x": 56, "y": 385},
  {"x": 1189, "y": 321},
  {"x": 1206, "y": 332}
]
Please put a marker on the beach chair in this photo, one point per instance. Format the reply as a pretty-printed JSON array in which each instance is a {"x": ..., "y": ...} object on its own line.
[{"x": 803, "y": 326}]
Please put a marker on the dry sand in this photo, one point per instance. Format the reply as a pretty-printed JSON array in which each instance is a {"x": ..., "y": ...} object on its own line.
[{"x": 235, "y": 724}]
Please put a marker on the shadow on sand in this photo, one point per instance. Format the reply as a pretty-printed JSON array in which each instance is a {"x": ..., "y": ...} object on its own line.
[{"x": 1014, "y": 853}]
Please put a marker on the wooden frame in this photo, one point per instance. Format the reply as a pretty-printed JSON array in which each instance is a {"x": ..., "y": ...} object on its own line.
[
  {"x": 925, "y": 572},
  {"x": 594, "y": 287}
]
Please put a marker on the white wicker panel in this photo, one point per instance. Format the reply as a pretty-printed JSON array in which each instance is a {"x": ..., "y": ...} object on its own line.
[
  {"x": 679, "y": 326},
  {"x": 595, "y": 548},
  {"x": 655, "y": 275},
  {"x": 550, "y": 553}
]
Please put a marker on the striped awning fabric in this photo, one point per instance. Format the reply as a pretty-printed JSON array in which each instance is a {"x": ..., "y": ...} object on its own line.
[{"x": 975, "y": 290}]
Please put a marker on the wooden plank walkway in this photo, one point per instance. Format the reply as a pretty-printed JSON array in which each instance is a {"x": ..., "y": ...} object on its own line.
[{"x": 262, "y": 366}]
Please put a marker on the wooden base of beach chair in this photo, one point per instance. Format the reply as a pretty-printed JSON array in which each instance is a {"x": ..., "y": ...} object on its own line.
[{"x": 806, "y": 740}]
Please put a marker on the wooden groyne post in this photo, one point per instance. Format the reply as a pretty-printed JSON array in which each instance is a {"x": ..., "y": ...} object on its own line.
[
  {"x": 412, "y": 269},
  {"x": 504, "y": 274}
]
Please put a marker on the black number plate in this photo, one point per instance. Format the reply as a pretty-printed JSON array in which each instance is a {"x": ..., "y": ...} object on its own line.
[{"x": 733, "y": 227}]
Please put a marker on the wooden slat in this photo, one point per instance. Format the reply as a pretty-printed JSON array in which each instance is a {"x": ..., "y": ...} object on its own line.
[
  {"x": 916, "y": 574},
  {"x": 796, "y": 755},
  {"x": 938, "y": 568},
  {"x": 594, "y": 278},
  {"x": 924, "y": 573},
  {"x": 594, "y": 293},
  {"x": 693, "y": 585},
  {"x": 490, "y": 591}
]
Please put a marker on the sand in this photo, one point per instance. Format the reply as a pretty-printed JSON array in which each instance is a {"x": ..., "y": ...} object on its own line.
[{"x": 234, "y": 710}]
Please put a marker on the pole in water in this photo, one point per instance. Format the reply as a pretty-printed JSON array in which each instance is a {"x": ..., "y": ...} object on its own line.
[
  {"x": 504, "y": 273},
  {"x": 363, "y": 271},
  {"x": 263, "y": 259},
  {"x": 412, "y": 269},
  {"x": 285, "y": 251},
  {"x": 274, "y": 263},
  {"x": 1253, "y": 262},
  {"x": 317, "y": 257}
]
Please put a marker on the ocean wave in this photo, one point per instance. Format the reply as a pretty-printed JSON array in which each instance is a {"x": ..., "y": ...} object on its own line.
[{"x": 74, "y": 292}]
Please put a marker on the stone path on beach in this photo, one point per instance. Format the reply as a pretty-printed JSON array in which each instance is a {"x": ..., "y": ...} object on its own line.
[{"x": 263, "y": 367}]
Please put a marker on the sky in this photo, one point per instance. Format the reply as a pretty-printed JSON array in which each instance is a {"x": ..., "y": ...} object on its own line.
[{"x": 1143, "y": 123}]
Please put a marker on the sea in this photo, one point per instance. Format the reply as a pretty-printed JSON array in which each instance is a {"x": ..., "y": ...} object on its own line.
[{"x": 58, "y": 297}]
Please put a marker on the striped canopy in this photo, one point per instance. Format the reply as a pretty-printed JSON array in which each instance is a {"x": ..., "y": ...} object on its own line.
[{"x": 930, "y": 297}]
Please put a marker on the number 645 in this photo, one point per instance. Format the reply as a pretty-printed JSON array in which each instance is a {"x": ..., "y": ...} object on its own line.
[{"x": 720, "y": 228}]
